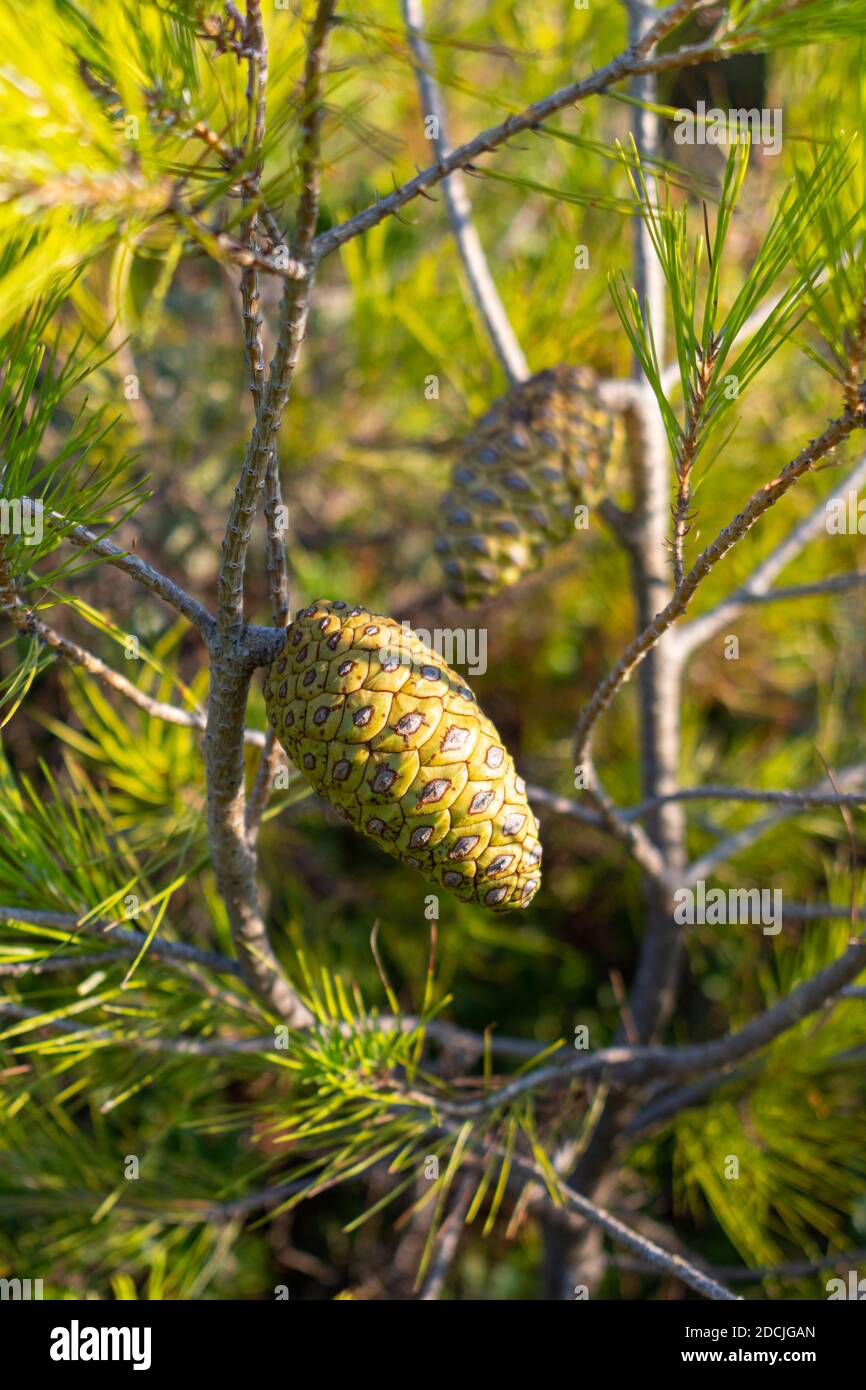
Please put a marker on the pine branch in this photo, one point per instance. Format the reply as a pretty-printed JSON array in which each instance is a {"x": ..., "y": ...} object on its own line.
[
  {"x": 25, "y": 619},
  {"x": 726, "y": 848},
  {"x": 679, "y": 1266},
  {"x": 631, "y": 1066},
  {"x": 564, "y": 806},
  {"x": 35, "y": 1020},
  {"x": 222, "y": 246},
  {"x": 811, "y": 912},
  {"x": 628, "y": 64},
  {"x": 51, "y": 965},
  {"x": 138, "y": 569},
  {"x": 131, "y": 941},
  {"x": 795, "y": 1269},
  {"x": 232, "y": 160},
  {"x": 646, "y": 854},
  {"x": 232, "y": 854},
  {"x": 27, "y": 622},
  {"x": 459, "y": 207},
  {"x": 276, "y": 563},
  {"x": 699, "y": 630},
  {"x": 814, "y": 452},
  {"x": 837, "y": 584},
  {"x": 263, "y": 784},
  {"x": 233, "y": 857},
  {"x": 312, "y": 116},
  {"x": 644, "y": 535}
]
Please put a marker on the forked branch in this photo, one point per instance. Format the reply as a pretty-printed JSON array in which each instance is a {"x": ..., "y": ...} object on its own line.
[{"x": 765, "y": 497}]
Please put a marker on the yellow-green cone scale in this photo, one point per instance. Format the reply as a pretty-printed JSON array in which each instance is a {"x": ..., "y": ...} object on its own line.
[
  {"x": 396, "y": 742},
  {"x": 541, "y": 449}
]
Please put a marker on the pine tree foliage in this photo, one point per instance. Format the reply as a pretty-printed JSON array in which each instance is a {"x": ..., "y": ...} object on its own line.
[{"x": 161, "y": 1122}]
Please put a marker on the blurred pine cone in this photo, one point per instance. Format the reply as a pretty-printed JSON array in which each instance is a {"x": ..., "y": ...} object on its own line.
[
  {"x": 541, "y": 449},
  {"x": 396, "y": 742}
]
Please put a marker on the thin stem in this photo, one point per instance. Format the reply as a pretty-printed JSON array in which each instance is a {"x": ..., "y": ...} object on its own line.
[
  {"x": 726, "y": 848},
  {"x": 232, "y": 853},
  {"x": 233, "y": 857},
  {"x": 313, "y": 111},
  {"x": 143, "y": 573},
  {"x": 684, "y": 1269},
  {"x": 837, "y": 584},
  {"x": 447, "y": 1242},
  {"x": 276, "y": 563},
  {"x": 224, "y": 247},
  {"x": 685, "y": 459},
  {"x": 564, "y": 806},
  {"x": 626, "y": 65},
  {"x": 125, "y": 937},
  {"x": 758, "y": 587},
  {"x": 631, "y": 1066},
  {"x": 765, "y": 497},
  {"x": 25, "y": 619},
  {"x": 458, "y": 205}
]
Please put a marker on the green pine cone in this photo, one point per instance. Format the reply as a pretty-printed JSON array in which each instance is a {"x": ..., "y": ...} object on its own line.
[
  {"x": 542, "y": 448},
  {"x": 396, "y": 742}
]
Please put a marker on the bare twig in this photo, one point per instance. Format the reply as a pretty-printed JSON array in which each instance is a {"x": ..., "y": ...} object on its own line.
[
  {"x": 637, "y": 842},
  {"x": 664, "y": 1260},
  {"x": 481, "y": 282},
  {"x": 232, "y": 854},
  {"x": 564, "y": 806},
  {"x": 130, "y": 940},
  {"x": 447, "y": 1242},
  {"x": 628, "y": 64},
  {"x": 700, "y": 630},
  {"x": 312, "y": 114},
  {"x": 837, "y": 584},
  {"x": 630, "y": 1066},
  {"x": 815, "y": 451},
  {"x": 269, "y": 764},
  {"x": 738, "y": 1274},
  {"x": 732, "y": 844},
  {"x": 138, "y": 569},
  {"x": 810, "y": 912}
]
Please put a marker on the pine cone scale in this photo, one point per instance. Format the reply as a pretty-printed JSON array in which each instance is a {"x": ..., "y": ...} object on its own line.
[
  {"x": 539, "y": 450},
  {"x": 396, "y": 742}
]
